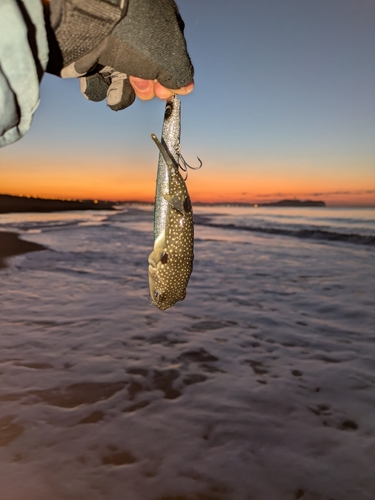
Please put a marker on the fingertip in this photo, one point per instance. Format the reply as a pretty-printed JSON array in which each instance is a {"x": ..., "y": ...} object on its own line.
[
  {"x": 162, "y": 92},
  {"x": 148, "y": 89},
  {"x": 144, "y": 89},
  {"x": 188, "y": 88},
  {"x": 165, "y": 93}
]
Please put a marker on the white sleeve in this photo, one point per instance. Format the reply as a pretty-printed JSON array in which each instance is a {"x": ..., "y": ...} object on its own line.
[{"x": 23, "y": 60}]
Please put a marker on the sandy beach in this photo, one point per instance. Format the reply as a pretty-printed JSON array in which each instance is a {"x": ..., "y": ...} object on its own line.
[
  {"x": 11, "y": 245},
  {"x": 260, "y": 385}
]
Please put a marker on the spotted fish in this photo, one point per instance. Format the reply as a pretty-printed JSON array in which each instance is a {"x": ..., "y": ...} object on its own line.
[{"x": 171, "y": 261}]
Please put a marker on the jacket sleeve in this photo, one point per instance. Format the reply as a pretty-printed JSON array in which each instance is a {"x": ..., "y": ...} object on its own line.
[{"x": 23, "y": 60}]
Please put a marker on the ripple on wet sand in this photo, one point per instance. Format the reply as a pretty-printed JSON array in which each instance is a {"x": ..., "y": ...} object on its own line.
[
  {"x": 78, "y": 394},
  {"x": 9, "y": 431}
]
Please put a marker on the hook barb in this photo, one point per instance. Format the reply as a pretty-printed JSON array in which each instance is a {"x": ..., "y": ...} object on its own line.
[{"x": 186, "y": 165}]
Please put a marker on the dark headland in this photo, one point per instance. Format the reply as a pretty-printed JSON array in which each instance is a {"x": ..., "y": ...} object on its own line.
[
  {"x": 9, "y": 204},
  {"x": 11, "y": 244}
]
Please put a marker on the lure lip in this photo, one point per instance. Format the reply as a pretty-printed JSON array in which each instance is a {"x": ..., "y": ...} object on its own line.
[{"x": 169, "y": 160}]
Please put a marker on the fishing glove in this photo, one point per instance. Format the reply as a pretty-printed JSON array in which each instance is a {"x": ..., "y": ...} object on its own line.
[{"x": 102, "y": 42}]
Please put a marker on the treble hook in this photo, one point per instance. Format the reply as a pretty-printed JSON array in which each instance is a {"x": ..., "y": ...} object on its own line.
[
  {"x": 183, "y": 164},
  {"x": 186, "y": 165}
]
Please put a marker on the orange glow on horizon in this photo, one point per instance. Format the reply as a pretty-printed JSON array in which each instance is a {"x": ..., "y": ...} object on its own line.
[{"x": 209, "y": 185}]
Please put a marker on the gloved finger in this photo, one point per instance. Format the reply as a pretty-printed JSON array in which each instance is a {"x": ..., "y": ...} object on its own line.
[
  {"x": 76, "y": 27},
  {"x": 172, "y": 73},
  {"x": 149, "y": 43},
  {"x": 71, "y": 72},
  {"x": 120, "y": 93},
  {"x": 89, "y": 61},
  {"x": 169, "y": 81},
  {"x": 85, "y": 64},
  {"x": 94, "y": 87}
]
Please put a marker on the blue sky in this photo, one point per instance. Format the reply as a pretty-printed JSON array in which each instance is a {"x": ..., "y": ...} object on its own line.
[{"x": 284, "y": 104}]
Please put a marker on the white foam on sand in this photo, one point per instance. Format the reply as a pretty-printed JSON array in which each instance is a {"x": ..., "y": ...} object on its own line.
[{"x": 260, "y": 385}]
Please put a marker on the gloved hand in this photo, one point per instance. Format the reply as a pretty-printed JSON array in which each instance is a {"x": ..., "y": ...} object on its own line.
[{"x": 143, "y": 39}]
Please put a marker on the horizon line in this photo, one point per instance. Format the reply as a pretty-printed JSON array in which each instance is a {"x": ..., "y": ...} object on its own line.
[{"x": 197, "y": 203}]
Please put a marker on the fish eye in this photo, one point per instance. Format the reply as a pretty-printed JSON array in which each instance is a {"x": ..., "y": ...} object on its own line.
[
  {"x": 164, "y": 258},
  {"x": 156, "y": 294}
]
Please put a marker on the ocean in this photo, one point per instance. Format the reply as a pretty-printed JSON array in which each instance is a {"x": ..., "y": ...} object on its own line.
[{"x": 259, "y": 385}]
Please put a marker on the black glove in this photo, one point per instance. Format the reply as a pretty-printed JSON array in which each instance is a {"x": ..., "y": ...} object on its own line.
[{"x": 104, "y": 41}]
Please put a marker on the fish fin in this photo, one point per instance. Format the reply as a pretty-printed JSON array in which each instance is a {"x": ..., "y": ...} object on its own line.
[
  {"x": 175, "y": 202},
  {"x": 155, "y": 256},
  {"x": 151, "y": 281},
  {"x": 153, "y": 259},
  {"x": 159, "y": 243}
]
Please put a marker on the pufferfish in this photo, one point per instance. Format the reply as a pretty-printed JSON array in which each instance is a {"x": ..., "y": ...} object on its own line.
[{"x": 171, "y": 261}]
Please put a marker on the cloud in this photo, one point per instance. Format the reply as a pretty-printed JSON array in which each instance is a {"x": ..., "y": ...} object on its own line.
[
  {"x": 355, "y": 192},
  {"x": 320, "y": 193},
  {"x": 273, "y": 195}
]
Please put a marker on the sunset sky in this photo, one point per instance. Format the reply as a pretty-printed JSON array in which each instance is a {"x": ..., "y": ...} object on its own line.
[{"x": 284, "y": 106}]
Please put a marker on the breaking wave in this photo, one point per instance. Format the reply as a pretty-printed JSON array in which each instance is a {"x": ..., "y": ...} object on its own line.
[{"x": 314, "y": 233}]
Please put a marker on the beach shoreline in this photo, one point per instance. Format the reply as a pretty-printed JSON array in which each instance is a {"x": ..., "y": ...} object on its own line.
[
  {"x": 259, "y": 383},
  {"x": 11, "y": 245}
]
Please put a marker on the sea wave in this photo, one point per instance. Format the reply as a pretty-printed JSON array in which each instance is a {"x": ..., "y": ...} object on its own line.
[{"x": 310, "y": 232}]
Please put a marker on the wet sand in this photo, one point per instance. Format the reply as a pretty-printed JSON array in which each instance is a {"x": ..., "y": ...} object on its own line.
[
  {"x": 11, "y": 245},
  {"x": 259, "y": 385}
]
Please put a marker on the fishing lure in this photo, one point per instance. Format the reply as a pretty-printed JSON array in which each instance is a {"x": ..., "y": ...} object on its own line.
[{"x": 171, "y": 261}]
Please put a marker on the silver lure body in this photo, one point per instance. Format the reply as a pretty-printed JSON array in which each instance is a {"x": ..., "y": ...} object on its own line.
[
  {"x": 171, "y": 138},
  {"x": 171, "y": 261}
]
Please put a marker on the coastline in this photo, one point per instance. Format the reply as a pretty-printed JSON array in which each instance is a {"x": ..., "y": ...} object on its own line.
[
  {"x": 11, "y": 245},
  {"x": 17, "y": 204}
]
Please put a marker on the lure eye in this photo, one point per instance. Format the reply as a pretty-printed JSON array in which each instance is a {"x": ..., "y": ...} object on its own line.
[{"x": 168, "y": 110}]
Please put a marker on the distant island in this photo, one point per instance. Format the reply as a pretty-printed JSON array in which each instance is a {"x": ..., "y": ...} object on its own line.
[
  {"x": 9, "y": 203},
  {"x": 281, "y": 203},
  {"x": 293, "y": 203}
]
